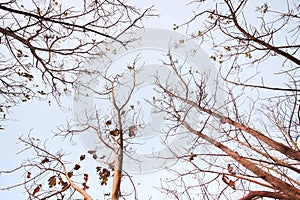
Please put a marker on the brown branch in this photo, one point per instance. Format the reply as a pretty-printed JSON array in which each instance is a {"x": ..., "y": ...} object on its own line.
[
  {"x": 58, "y": 22},
  {"x": 118, "y": 150},
  {"x": 274, "y": 181},
  {"x": 261, "y": 42},
  {"x": 275, "y": 195},
  {"x": 263, "y": 87},
  {"x": 65, "y": 172},
  {"x": 285, "y": 150}
]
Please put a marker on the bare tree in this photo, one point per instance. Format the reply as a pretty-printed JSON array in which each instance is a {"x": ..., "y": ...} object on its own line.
[
  {"x": 43, "y": 47},
  {"x": 51, "y": 169},
  {"x": 251, "y": 140},
  {"x": 43, "y": 43},
  {"x": 50, "y": 175},
  {"x": 254, "y": 151}
]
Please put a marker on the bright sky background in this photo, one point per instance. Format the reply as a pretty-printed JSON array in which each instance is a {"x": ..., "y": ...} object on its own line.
[{"x": 40, "y": 119}]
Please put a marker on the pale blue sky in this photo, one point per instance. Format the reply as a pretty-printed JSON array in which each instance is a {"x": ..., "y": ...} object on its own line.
[{"x": 40, "y": 119}]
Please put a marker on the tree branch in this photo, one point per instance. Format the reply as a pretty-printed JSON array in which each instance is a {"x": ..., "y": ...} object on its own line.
[
  {"x": 41, "y": 18},
  {"x": 261, "y": 42},
  {"x": 275, "y": 195}
]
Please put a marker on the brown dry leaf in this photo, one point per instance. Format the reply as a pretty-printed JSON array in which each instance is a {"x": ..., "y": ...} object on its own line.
[
  {"x": 82, "y": 157},
  {"x": 65, "y": 186},
  {"x": 98, "y": 168},
  {"x": 76, "y": 167},
  {"x": 132, "y": 130},
  {"x": 91, "y": 151},
  {"x": 85, "y": 177},
  {"x": 232, "y": 184},
  {"x": 114, "y": 132},
  {"x": 70, "y": 174},
  {"x": 52, "y": 181},
  {"x": 60, "y": 182},
  {"x": 108, "y": 123},
  {"x": 85, "y": 187},
  {"x": 225, "y": 179},
  {"x": 95, "y": 156},
  {"x": 45, "y": 160},
  {"x": 229, "y": 168},
  {"x": 228, "y": 182},
  {"x": 103, "y": 175},
  {"x": 192, "y": 156},
  {"x": 37, "y": 189}
]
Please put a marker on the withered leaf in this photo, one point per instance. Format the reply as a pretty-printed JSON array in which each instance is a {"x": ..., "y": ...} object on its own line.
[
  {"x": 228, "y": 182},
  {"x": 85, "y": 187},
  {"x": 229, "y": 168},
  {"x": 225, "y": 179},
  {"x": 192, "y": 156},
  {"x": 76, "y": 167},
  {"x": 70, "y": 174},
  {"x": 28, "y": 175},
  {"x": 132, "y": 130},
  {"x": 65, "y": 186},
  {"x": 231, "y": 183},
  {"x": 108, "y": 123},
  {"x": 114, "y": 132},
  {"x": 95, "y": 156},
  {"x": 52, "y": 181},
  {"x": 82, "y": 157},
  {"x": 92, "y": 151},
  {"x": 37, "y": 189},
  {"x": 104, "y": 181},
  {"x": 106, "y": 172},
  {"x": 130, "y": 67},
  {"x": 45, "y": 160},
  {"x": 103, "y": 175},
  {"x": 98, "y": 169},
  {"x": 85, "y": 177},
  {"x": 60, "y": 182}
]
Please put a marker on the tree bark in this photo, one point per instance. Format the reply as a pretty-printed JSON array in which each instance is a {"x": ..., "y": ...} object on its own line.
[
  {"x": 117, "y": 177},
  {"x": 277, "y": 183},
  {"x": 254, "y": 194},
  {"x": 278, "y": 146}
]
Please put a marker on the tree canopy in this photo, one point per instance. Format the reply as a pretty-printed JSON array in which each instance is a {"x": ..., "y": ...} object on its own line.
[{"x": 247, "y": 147}]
